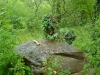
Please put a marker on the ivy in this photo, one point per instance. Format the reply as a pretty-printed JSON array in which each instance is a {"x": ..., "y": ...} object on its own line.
[{"x": 48, "y": 26}]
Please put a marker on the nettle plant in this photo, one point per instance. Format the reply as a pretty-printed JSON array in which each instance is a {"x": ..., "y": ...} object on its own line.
[{"x": 49, "y": 28}]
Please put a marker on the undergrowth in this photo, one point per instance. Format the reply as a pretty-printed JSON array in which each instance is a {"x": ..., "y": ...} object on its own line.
[{"x": 10, "y": 62}]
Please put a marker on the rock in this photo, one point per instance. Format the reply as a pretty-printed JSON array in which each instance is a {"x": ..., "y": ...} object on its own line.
[
  {"x": 75, "y": 65},
  {"x": 35, "y": 55},
  {"x": 78, "y": 73}
]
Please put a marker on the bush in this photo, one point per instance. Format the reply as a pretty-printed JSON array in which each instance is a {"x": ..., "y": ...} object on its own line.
[
  {"x": 49, "y": 28},
  {"x": 10, "y": 62},
  {"x": 93, "y": 51}
]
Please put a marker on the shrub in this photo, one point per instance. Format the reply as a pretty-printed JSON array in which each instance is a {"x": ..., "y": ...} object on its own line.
[
  {"x": 10, "y": 62},
  {"x": 93, "y": 51},
  {"x": 49, "y": 28}
]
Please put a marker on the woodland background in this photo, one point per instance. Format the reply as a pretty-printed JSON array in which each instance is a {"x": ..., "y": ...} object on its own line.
[{"x": 21, "y": 21}]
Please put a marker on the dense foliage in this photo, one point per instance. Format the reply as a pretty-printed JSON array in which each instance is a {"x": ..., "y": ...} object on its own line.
[
  {"x": 93, "y": 50},
  {"x": 10, "y": 62},
  {"x": 49, "y": 27},
  {"x": 24, "y": 20}
]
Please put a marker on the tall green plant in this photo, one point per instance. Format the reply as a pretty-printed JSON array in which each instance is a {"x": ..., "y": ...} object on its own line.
[
  {"x": 93, "y": 52},
  {"x": 10, "y": 62},
  {"x": 8, "y": 14},
  {"x": 49, "y": 28}
]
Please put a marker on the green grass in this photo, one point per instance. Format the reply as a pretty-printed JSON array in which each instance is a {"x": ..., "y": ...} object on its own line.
[
  {"x": 81, "y": 32},
  {"x": 82, "y": 38},
  {"x": 25, "y": 36}
]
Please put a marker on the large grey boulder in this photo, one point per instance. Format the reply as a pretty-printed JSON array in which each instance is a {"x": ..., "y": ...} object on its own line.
[{"x": 35, "y": 54}]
